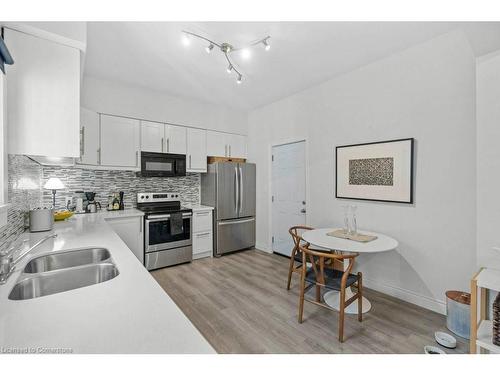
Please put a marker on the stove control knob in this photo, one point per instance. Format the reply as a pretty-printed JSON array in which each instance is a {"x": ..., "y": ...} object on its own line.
[
  {"x": 177, "y": 195},
  {"x": 142, "y": 196},
  {"x": 171, "y": 195},
  {"x": 147, "y": 196}
]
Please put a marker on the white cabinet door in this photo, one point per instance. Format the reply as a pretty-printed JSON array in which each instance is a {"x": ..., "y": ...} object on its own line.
[
  {"x": 89, "y": 137},
  {"x": 237, "y": 145},
  {"x": 130, "y": 230},
  {"x": 43, "y": 97},
  {"x": 119, "y": 142},
  {"x": 216, "y": 144},
  {"x": 175, "y": 139},
  {"x": 152, "y": 136},
  {"x": 196, "y": 150}
]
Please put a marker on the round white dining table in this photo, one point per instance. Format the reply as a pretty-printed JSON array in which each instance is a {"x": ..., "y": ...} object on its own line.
[{"x": 320, "y": 238}]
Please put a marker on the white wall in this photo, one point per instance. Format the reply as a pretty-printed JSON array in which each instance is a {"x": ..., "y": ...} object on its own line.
[
  {"x": 120, "y": 99},
  {"x": 426, "y": 92},
  {"x": 488, "y": 161}
]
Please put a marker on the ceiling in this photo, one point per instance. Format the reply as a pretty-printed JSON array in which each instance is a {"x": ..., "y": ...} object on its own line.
[{"x": 303, "y": 54}]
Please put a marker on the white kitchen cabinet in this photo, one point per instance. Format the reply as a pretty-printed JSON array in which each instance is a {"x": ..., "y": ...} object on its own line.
[
  {"x": 237, "y": 146},
  {"x": 119, "y": 142},
  {"x": 131, "y": 231},
  {"x": 216, "y": 144},
  {"x": 89, "y": 137},
  {"x": 175, "y": 139},
  {"x": 196, "y": 157},
  {"x": 226, "y": 144},
  {"x": 202, "y": 233},
  {"x": 43, "y": 97},
  {"x": 152, "y": 136}
]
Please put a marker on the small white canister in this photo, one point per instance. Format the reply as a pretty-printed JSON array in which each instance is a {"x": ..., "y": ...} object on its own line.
[
  {"x": 41, "y": 219},
  {"x": 458, "y": 313}
]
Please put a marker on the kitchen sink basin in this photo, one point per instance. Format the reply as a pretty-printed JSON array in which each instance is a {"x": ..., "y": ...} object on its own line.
[
  {"x": 67, "y": 259},
  {"x": 43, "y": 284}
]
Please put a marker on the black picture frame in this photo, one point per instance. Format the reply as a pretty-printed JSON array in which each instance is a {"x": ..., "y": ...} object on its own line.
[{"x": 412, "y": 142}]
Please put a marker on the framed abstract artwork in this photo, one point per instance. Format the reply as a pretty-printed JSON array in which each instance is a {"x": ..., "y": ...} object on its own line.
[{"x": 377, "y": 171}]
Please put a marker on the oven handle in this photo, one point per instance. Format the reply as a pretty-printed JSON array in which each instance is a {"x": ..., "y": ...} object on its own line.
[{"x": 159, "y": 217}]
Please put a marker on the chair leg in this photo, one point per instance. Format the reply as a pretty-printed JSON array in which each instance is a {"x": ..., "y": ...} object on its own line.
[
  {"x": 318, "y": 293},
  {"x": 301, "y": 298},
  {"x": 360, "y": 297},
  {"x": 341, "y": 315},
  {"x": 290, "y": 269}
]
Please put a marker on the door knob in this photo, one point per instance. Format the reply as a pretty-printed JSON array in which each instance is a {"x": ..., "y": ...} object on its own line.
[
  {"x": 303, "y": 202},
  {"x": 303, "y": 211}
]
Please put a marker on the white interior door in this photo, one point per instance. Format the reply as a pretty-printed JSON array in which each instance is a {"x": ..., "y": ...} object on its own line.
[{"x": 288, "y": 193}]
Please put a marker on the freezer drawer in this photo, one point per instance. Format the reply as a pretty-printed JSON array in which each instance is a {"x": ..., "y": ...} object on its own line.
[{"x": 235, "y": 235}]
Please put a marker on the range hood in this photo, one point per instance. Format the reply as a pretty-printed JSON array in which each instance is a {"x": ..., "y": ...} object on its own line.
[{"x": 53, "y": 161}]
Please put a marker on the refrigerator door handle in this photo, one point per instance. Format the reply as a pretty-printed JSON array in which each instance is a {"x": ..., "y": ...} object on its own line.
[
  {"x": 232, "y": 222},
  {"x": 241, "y": 189},
  {"x": 236, "y": 190}
]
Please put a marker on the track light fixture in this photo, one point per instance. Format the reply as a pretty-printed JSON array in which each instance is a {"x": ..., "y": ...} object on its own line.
[{"x": 227, "y": 49}]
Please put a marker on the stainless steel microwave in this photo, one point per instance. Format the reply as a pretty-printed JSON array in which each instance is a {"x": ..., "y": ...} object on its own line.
[{"x": 157, "y": 164}]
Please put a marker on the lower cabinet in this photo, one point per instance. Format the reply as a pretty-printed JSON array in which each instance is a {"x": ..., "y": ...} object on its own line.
[
  {"x": 131, "y": 231},
  {"x": 202, "y": 234}
]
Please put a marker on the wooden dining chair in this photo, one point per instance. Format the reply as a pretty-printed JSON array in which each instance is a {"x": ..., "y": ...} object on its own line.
[
  {"x": 296, "y": 256},
  {"x": 324, "y": 274}
]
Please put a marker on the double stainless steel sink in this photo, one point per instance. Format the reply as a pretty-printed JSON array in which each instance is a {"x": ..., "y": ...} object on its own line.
[{"x": 63, "y": 271}]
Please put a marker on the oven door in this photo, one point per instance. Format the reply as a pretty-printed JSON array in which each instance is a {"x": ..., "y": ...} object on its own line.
[
  {"x": 155, "y": 164},
  {"x": 159, "y": 234}
]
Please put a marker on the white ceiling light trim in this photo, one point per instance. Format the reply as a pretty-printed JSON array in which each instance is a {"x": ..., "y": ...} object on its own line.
[{"x": 227, "y": 49}]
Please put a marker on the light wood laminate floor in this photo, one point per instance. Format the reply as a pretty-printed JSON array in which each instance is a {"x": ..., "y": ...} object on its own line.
[{"x": 240, "y": 304}]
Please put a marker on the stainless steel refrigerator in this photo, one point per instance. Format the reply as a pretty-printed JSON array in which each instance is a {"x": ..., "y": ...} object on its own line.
[{"x": 230, "y": 188}]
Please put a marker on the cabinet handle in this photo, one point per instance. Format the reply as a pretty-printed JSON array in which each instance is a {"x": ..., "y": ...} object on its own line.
[
  {"x": 99, "y": 155},
  {"x": 203, "y": 213},
  {"x": 82, "y": 142},
  {"x": 189, "y": 161},
  {"x": 168, "y": 144},
  {"x": 137, "y": 158},
  {"x": 140, "y": 225},
  {"x": 202, "y": 234},
  {"x": 229, "y": 150},
  {"x": 162, "y": 145}
]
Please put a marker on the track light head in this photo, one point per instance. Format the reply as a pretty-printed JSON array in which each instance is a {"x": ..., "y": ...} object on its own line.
[
  {"x": 209, "y": 48},
  {"x": 238, "y": 81},
  {"x": 229, "y": 68},
  {"x": 267, "y": 46}
]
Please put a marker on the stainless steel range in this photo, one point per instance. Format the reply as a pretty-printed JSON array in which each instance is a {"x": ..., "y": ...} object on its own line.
[{"x": 168, "y": 230}]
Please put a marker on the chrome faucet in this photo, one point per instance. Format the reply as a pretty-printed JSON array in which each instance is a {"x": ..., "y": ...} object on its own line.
[{"x": 8, "y": 263}]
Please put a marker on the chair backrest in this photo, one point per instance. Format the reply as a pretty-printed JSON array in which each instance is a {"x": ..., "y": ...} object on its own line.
[
  {"x": 296, "y": 233},
  {"x": 318, "y": 258}
]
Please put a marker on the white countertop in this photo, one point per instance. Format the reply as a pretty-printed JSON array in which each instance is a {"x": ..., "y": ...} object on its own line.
[
  {"x": 198, "y": 207},
  {"x": 128, "y": 314}
]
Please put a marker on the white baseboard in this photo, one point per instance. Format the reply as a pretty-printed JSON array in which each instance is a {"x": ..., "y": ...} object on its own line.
[
  {"x": 263, "y": 248},
  {"x": 407, "y": 295}
]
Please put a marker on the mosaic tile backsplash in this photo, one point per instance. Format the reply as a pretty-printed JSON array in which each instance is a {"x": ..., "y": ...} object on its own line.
[{"x": 27, "y": 177}]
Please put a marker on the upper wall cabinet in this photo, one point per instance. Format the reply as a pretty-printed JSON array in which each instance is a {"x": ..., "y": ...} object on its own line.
[
  {"x": 196, "y": 150},
  {"x": 158, "y": 137},
  {"x": 89, "y": 137},
  {"x": 152, "y": 136},
  {"x": 43, "y": 97},
  {"x": 226, "y": 145},
  {"x": 175, "y": 139},
  {"x": 119, "y": 142}
]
